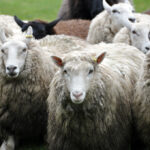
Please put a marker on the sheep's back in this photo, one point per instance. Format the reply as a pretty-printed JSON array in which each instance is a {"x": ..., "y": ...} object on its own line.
[
  {"x": 100, "y": 29},
  {"x": 61, "y": 44},
  {"x": 78, "y": 28},
  {"x": 8, "y": 23}
]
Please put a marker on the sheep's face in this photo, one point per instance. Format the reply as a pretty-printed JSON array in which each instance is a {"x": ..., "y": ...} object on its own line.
[
  {"x": 78, "y": 75},
  {"x": 14, "y": 54},
  {"x": 140, "y": 36},
  {"x": 121, "y": 13},
  {"x": 40, "y": 28}
]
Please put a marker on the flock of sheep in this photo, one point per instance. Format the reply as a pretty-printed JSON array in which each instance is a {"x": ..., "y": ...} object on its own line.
[{"x": 80, "y": 82}]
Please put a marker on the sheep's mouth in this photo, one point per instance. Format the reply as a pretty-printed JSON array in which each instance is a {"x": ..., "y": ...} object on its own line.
[
  {"x": 77, "y": 101},
  {"x": 12, "y": 75}
]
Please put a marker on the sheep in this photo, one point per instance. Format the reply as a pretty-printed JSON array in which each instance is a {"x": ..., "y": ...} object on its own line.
[
  {"x": 141, "y": 17},
  {"x": 25, "y": 74},
  {"x": 40, "y": 28},
  {"x": 78, "y": 28},
  {"x": 61, "y": 44},
  {"x": 7, "y": 23},
  {"x": 105, "y": 25},
  {"x": 140, "y": 105},
  {"x": 88, "y": 104},
  {"x": 82, "y": 9},
  {"x": 136, "y": 34}
]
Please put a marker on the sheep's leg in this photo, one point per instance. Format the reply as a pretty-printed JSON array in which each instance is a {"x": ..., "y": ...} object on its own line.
[{"x": 9, "y": 144}]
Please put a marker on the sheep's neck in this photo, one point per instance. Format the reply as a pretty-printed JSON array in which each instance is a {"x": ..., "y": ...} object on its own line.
[{"x": 116, "y": 26}]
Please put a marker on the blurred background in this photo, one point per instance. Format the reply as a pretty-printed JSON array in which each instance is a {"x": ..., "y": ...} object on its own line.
[{"x": 46, "y": 9}]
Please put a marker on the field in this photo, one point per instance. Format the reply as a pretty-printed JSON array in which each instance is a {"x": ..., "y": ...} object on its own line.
[{"x": 47, "y": 10}]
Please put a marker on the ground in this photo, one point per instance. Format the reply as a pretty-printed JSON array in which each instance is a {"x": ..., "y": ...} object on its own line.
[{"x": 46, "y": 10}]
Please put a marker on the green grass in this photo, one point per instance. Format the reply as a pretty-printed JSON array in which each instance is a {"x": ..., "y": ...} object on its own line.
[
  {"x": 31, "y": 9},
  {"x": 47, "y": 10},
  {"x": 142, "y": 5}
]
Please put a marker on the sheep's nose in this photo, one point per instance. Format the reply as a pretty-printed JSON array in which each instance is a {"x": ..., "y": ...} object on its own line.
[
  {"x": 11, "y": 70},
  {"x": 147, "y": 48},
  {"x": 132, "y": 19},
  {"x": 77, "y": 94}
]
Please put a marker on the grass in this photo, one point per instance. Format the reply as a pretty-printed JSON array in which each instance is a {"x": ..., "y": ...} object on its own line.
[
  {"x": 142, "y": 5},
  {"x": 47, "y": 10},
  {"x": 31, "y": 9}
]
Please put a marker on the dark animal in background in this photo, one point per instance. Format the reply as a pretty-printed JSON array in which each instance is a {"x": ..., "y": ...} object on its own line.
[
  {"x": 40, "y": 28},
  {"x": 78, "y": 28},
  {"x": 82, "y": 9}
]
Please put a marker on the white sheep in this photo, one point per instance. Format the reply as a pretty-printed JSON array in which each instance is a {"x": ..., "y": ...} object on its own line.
[
  {"x": 63, "y": 43},
  {"x": 25, "y": 74},
  {"x": 136, "y": 34},
  {"x": 105, "y": 25},
  {"x": 141, "y": 106},
  {"x": 9, "y": 25},
  {"x": 89, "y": 104}
]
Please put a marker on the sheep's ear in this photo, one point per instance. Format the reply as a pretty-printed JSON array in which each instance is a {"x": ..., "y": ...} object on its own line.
[
  {"x": 29, "y": 35},
  {"x": 106, "y": 6},
  {"x": 30, "y": 31},
  {"x": 126, "y": 1},
  {"x": 19, "y": 22},
  {"x": 2, "y": 36},
  {"x": 100, "y": 57},
  {"x": 25, "y": 27},
  {"x": 51, "y": 25},
  {"x": 58, "y": 61}
]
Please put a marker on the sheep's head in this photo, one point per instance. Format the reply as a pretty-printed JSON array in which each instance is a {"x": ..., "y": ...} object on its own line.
[
  {"x": 140, "y": 35},
  {"x": 78, "y": 74},
  {"x": 121, "y": 13},
  {"x": 14, "y": 53},
  {"x": 40, "y": 28}
]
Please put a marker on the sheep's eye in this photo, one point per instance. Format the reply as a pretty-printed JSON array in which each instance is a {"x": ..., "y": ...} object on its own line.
[
  {"x": 24, "y": 50},
  {"x": 149, "y": 35},
  {"x": 91, "y": 71},
  {"x": 2, "y": 50},
  {"x": 65, "y": 71},
  {"x": 134, "y": 32},
  {"x": 133, "y": 11},
  {"x": 115, "y": 11}
]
